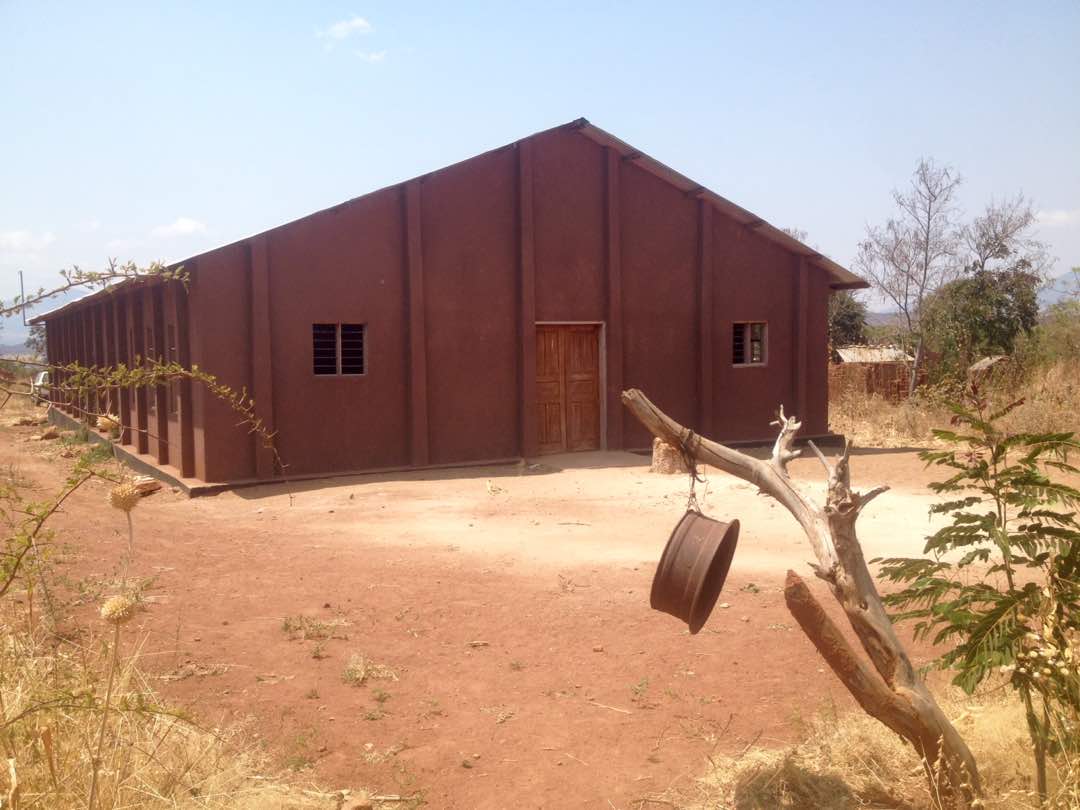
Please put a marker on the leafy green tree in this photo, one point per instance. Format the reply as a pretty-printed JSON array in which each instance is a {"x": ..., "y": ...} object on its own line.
[
  {"x": 847, "y": 320},
  {"x": 1001, "y": 582},
  {"x": 980, "y": 314}
]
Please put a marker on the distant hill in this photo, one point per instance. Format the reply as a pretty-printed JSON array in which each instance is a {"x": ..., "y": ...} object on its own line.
[
  {"x": 883, "y": 318},
  {"x": 13, "y": 349}
]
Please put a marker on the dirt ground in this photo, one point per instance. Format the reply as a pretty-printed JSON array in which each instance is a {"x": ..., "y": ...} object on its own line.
[{"x": 510, "y": 606}]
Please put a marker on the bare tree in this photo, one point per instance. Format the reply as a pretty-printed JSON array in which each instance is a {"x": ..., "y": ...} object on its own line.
[
  {"x": 1001, "y": 238},
  {"x": 916, "y": 251},
  {"x": 887, "y": 685}
]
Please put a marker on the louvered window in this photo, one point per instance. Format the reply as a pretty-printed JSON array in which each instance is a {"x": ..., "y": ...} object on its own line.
[
  {"x": 338, "y": 348},
  {"x": 352, "y": 348},
  {"x": 748, "y": 344},
  {"x": 324, "y": 347}
]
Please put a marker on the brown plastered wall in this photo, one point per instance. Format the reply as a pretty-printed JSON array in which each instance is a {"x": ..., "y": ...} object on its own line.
[
  {"x": 659, "y": 227},
  {"x": 754, "y": 280},
  {"x": 219, "y": 300},
  {"x": 469, "y": 222},
  {"x": 568, "y": 212},
  {"x": 345, "y": 265}
]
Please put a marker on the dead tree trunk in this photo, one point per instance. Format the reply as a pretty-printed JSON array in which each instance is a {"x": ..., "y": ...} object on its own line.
[{"x": 892, "y": 690}]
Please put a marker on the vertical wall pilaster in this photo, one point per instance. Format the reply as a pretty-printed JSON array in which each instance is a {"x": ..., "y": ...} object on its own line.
[
  {"x": 136, "y": 308},
  {"x": 527, "y": 429},
  {"x": 187, "y": 425},
  {"x": 108, "y": 352},
  {"x": 613, "y": 299},
  {"x": 161, "y": 391},
  {"x": 801, "y": 339},
  {"x": 262, "y": 356},
  {"x": 419, "y": 442},
  {"x": 119, "y": 306},
  {"x": 705, "y": 318}
]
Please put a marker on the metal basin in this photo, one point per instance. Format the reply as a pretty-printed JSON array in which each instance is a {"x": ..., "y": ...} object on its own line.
[{"x": 693, "y": 568}]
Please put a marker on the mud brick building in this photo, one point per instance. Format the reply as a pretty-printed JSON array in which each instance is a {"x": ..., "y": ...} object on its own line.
[{"x": 487, "y": 311}]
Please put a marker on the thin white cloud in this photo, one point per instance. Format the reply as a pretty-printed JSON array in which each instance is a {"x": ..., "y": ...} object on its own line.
[
  {"x": 372, "y": 56},
  {"x": 118, "y": 246},
  {"x": 1059, "y": 218},
  {"x": 89, "y": 226},
  {"x": 181, "y": 226},
  {"x": 25, "y": 241},
  {"x": 343, "y": 29}
]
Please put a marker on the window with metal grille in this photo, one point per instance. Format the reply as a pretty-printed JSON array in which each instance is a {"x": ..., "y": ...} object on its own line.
[
  {"x": 748, "y": 344},
  {"x": 352, "y": 348},
  {"x": 338, "y": 348},
  {"x": 324, "y": 348}
]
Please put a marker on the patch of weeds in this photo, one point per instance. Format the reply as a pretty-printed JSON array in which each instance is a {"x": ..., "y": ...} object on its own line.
[
  {"x": 13, "y": 477},
  {"x": 569, "y": 692},
  {"x": 301, "y": 756},
  {"x": 312, "y": 694},
  {"x": 374, "y": 714},
  {"x": 80, "y": 436},
  {"x": 502, "y": 713},
  {"x": 361, "y": 669},
  {"x": 373, "y": 756},
  {"x": 432, "y": 709},
  {"x": 517, "y": 666},
  {"x": 750, "y": 587},
  {"x": 306, "y": 627},
  {"x": 640, "y": 688},
  {"x": 380, "y": 696},
  {"x": 318, "y": 652}
]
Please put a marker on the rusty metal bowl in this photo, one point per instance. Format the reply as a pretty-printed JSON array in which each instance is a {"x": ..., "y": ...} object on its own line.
[{"x": 693, "y": 567}]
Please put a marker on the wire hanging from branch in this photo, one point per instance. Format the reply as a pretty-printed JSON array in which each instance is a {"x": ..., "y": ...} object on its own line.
[{"x": 688, "y": 445}]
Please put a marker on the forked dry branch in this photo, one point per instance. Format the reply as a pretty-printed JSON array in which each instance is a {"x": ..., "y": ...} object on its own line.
[{"x": 891, "y": 691}]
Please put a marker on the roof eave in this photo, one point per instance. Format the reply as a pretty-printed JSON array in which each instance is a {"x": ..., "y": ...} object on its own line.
[
  {"x": 94, "y": 297},
  {"x": 840, "y": 277}
]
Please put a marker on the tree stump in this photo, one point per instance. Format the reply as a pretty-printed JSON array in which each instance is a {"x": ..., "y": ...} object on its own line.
[{"x": 666, "y": 459}]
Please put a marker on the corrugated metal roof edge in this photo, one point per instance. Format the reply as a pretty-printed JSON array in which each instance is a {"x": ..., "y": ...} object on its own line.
[{"x": 843, "y": 279}]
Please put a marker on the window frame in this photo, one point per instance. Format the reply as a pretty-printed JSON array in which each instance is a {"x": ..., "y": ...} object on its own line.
[
  {"x": 338, "y": 373},
  {"x": 747, "y": 327}
]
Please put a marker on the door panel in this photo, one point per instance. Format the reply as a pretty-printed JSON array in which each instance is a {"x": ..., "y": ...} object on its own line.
[
  {"x": 568, "y": 387},
  {"x": 551, "y": 432},
  {"x": 582, "y": 360}
]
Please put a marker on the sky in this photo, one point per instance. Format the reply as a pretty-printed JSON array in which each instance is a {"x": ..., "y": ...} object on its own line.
[{"x": 150, "y": 130}]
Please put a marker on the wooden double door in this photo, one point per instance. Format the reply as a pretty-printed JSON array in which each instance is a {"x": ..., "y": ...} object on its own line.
[{"x": 568, "y": 387}]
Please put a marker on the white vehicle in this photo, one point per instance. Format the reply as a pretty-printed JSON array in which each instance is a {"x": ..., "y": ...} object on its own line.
[{"x": 39, "y": 387}]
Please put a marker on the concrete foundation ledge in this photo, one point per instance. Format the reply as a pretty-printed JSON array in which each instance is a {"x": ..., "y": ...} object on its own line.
[{"x": 140, "y": 463}]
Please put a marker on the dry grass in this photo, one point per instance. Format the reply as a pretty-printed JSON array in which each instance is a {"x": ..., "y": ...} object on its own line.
[
  {"x": 852, "y": 761},
  {"x": 362, "y": 669},
  {"x": 1052, "y": 403},
  {"x": 871, "y": 421},
  {"x": 307, "y": 627},
  {"x": 52, "y": 695}
]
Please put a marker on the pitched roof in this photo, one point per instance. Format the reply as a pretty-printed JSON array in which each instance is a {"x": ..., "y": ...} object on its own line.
[{"x": 840, "y": 277}]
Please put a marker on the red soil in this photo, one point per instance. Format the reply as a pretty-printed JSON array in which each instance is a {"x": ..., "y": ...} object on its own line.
[{"x": 513, "y": 610}]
